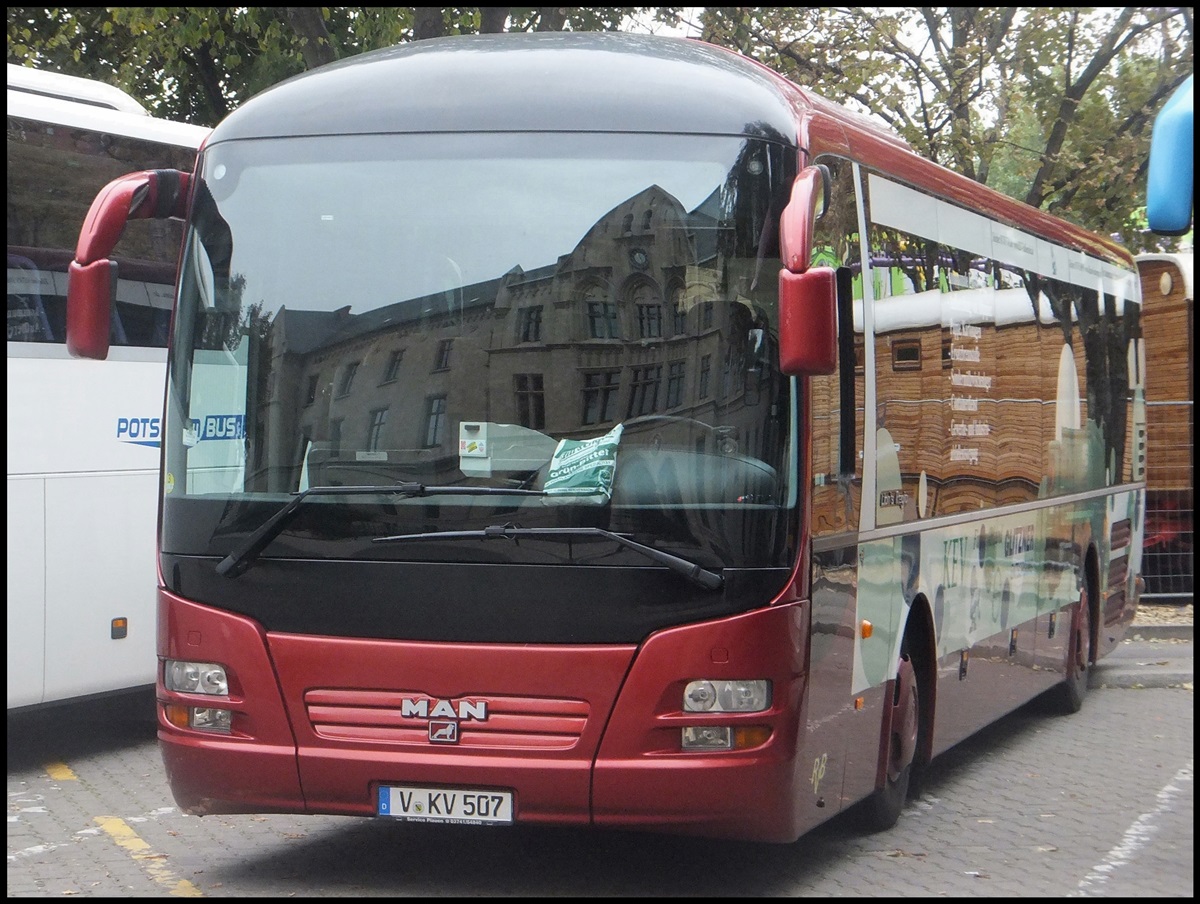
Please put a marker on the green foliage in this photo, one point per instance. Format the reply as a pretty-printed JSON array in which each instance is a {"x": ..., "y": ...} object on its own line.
[{"x": 1051, "y": 105}]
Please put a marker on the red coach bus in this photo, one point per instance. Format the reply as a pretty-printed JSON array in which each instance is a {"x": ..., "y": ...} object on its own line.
[{"x": 599, "y": 429}]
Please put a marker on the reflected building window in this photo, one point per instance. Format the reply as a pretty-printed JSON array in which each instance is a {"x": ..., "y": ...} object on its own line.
[
  {"x": 643, "y": 396},
  {"x": 347, "y": 382},
  {"x": 906, "y": 354},
  {"x": 648, "y": 304},
  {"x": 600, "y": 396},
  {"x": 602, "y": 320},
  {"x": 531, "y": 400},
  {"x": 435, "y": 420},
  {"x": 378, "y": 420},
  {"x": 441, "y": 360},
  {"x": 702, "y": 390},
  {"x": 392, "y": 371},
  {"x": 531, "y": 324},
  {"x": 675, "y": 372}
]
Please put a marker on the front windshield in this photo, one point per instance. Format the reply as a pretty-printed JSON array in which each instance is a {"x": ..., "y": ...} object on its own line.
[{"x": 588, "y": 319}]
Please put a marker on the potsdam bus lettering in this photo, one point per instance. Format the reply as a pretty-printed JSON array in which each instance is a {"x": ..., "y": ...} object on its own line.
[
  {"x": 139, "y": 431},
  {"x": 220, "y": 426}
]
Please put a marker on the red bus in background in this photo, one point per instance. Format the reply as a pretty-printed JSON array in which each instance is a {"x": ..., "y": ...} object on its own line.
[{"x": 600, "y": 429}]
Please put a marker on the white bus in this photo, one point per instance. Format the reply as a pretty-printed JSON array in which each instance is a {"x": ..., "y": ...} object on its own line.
[{"x": 82, "y": 454}]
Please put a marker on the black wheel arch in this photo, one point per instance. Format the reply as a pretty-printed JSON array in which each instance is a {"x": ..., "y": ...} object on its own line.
[{"x": 920, "y": 642}]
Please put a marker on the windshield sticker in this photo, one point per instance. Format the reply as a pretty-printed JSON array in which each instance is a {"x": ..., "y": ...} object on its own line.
[
  {"x": 218, "y": 427},
  {"x": 584, "y": 467}
]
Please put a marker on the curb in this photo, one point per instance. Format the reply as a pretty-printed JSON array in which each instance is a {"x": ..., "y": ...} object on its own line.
[
  {"x": 1170, "y": 666},
  {"x": 1109, "y": 676},
  {"x": 1159, "y": 632}
]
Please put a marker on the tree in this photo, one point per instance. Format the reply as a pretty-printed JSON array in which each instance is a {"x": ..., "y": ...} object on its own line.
[{"x": 1052, "y": 105}]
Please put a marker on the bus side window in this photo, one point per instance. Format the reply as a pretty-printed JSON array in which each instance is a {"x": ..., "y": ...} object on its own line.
[
  {"x": 27, "y": 318},
  {"x": 837, "y": 419}
]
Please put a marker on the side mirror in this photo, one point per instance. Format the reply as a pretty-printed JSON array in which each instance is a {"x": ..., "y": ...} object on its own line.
[
  {"x": 91, "y": 276},
  {"x": 807, "y": 297},
  {"x": 1170, "y": 178},
  {"x": 808, "y": 203},
  {"x": 808, "y": 322},
  {"x": 91, "y": 294}
]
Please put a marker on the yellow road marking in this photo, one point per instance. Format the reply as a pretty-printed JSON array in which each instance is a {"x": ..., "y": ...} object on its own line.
[
  {"x": 147, "y": 859},
  {"x": 61, "y": 772}
]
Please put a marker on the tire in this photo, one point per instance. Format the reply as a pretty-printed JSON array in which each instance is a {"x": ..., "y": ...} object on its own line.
[
  {"x": 882, "y": 809},
  {"x": 1068, "y": 696}
]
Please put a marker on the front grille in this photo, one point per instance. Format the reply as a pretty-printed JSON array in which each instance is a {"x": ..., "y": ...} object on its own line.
[{"x": 527, "y": 723}]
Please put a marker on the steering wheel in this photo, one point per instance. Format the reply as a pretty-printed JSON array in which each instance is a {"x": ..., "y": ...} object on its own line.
[
  {"x": 723, "y": 438},
  {"x": 668, "y": 419}
]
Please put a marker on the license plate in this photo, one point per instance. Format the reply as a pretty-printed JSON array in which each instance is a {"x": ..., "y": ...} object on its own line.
[{"x": 457, "y": 805}]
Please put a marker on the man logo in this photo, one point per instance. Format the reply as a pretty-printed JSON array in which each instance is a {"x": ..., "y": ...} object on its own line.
[{"x": 443, "y": 732}]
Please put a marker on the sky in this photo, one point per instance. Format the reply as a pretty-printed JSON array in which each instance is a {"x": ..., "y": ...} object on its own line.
[{"x": 689, "y": 26}]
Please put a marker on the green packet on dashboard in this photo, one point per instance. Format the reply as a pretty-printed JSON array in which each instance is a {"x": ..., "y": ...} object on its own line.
[{"x": 584, "y": 467}]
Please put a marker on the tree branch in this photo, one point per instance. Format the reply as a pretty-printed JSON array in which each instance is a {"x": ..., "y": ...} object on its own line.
[{"x": 315, "y": 44}]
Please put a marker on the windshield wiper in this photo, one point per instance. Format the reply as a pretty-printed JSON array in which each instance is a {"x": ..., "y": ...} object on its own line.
[
  {"x": 251, "y": 548},
  {"x": 702, "y": 577}
]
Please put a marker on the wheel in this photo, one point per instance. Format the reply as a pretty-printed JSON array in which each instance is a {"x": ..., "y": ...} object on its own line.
[
  {"x": 1068, "y": 696},
  {"x": 882, "y": 809}
]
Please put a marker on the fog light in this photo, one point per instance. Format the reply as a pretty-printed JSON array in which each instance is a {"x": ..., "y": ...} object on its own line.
[
  {"x": 202, "y": 718},
  {"x": 207, "y": 719},
  {"x": 707, "y": 737}
]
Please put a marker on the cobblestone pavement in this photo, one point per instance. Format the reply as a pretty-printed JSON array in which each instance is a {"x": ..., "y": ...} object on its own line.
[{"x": 1099, "y": 803}]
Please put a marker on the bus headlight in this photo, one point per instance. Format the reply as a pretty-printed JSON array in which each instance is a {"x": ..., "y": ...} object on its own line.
[
  {"x": 195, "y": 677},
  {"x": 722, "y": 696}
]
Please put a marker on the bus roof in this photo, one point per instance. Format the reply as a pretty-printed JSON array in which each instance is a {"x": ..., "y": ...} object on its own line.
[
  {"x": 562, "y": 82},
  {"x": 71, "y": 87},
  {"x": 584, "y": 82},
  {"x": 69, "y": 101}
]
